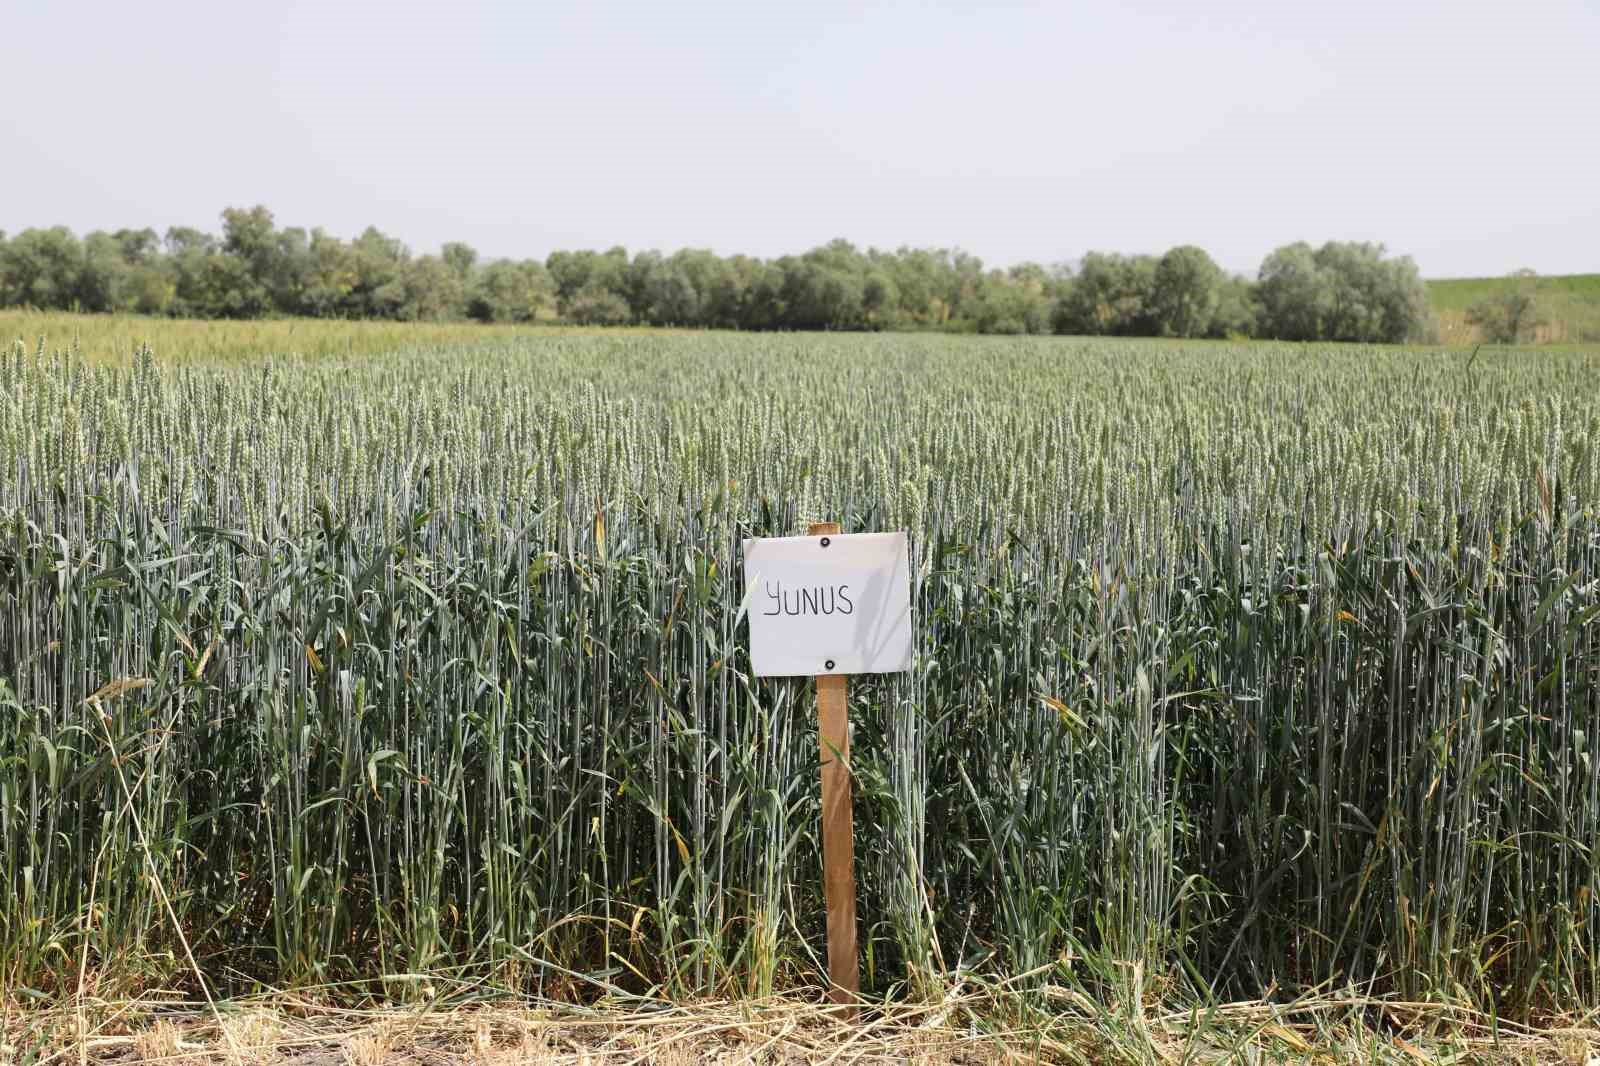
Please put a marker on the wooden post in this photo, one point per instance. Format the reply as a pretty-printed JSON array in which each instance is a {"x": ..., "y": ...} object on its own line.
[{"x": 838, "y": 830}]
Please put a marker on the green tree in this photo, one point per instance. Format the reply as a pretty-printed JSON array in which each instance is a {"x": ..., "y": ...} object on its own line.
[
  {"x": 1292, "y": 294},
  {"x": 1341, "y": 291},
  {"x": 151, "y": 288},
  {"x": 880, "y": 299},
  {"x": 286, "y": 271},
  {"x": 460, "y": 258},
  {"x": 41, "y": 269},
  {"x": 597, "y": 305},
  {"x": 1511, "y": 311},
  {"x": 181, "y": 241},
  {"x": 920, "y": 285},
  {"x": 1345, "y": 291},
  {"x": 824, "y": 289},
  {"x": 433, "y": 291},
  {"x": 1235, "y": 314},
  {"x": 716, "y": 284},
  {"x": 588, "y": 275},
  {"x": 660, "y": 292},
  {"x": 1186, "y": 289},
  {"x": 248, "y": 233},
  {"x": 506, "y": 291},
  {"x": 138, "y": 247},
  {"x": 232, "y": 289},
  {"x": 1110, "y": 294},
  {"x": 1015, "y": 301},
  {"x": 761, "y": 293},
  {"x": 244, "y": 287},
  {"x": 103, "y": 276},
  {"x": 186, "y": 249},
  {"x": 1370, "y": 298},
  {"x": 331, "y": 278},
  {"x": 379, "y": 261},
  {"x": 671, "y": 298},
  {"x": 145, "y": 277}
]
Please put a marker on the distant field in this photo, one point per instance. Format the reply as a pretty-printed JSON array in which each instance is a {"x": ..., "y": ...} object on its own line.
[
  {"x": 1457, "y": 294},
  {"x": 1569, "y": 306},
  {"x": 114, "y": 338}
]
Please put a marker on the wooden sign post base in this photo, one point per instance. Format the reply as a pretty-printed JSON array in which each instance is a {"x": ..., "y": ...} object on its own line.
[{"x": 838, "y": 830}]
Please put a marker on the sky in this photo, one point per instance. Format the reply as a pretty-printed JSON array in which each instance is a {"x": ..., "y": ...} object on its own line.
[{"x": 1464, "y": 134}]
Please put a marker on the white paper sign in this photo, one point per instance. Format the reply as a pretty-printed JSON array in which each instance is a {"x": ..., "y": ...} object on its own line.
[{"x": 833, "y": 604}]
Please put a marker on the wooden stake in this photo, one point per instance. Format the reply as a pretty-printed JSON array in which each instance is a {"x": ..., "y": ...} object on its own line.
[{"x": 838, "y": 829}]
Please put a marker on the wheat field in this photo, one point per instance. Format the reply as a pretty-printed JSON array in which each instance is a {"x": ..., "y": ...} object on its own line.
[{"x": 1239, "y": 668}]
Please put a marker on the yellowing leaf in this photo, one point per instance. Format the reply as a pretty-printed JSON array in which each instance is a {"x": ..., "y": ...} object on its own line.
[
  {"x": 1066, "y": 713},
  {"x": 117, "y": 688},
  {"x": 683, "y": 848},
  {"x": 200, "y": 667},
  {"x": 1288, "y": 1036},
  {"x": 1411, "y": 1049}
]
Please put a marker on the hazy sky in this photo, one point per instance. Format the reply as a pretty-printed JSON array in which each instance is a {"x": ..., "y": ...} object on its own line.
[{"x": 1464, "y": 134}]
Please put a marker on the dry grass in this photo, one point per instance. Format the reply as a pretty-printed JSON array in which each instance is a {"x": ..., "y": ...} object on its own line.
[
  {"x": 159, "y": 1043},
  {"x": 968, "y": 1028}
]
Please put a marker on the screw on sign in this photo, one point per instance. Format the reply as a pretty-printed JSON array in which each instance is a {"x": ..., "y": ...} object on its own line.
[{"x": 829, "y": 605}]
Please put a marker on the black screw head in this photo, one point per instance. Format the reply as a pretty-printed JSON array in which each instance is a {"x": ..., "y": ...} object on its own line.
[
  {"x": 828, "y": 664},
  {"x": 826, "y": 541}
]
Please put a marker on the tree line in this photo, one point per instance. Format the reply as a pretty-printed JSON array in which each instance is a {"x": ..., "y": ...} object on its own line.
[{"x": 254, "y": 268}]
